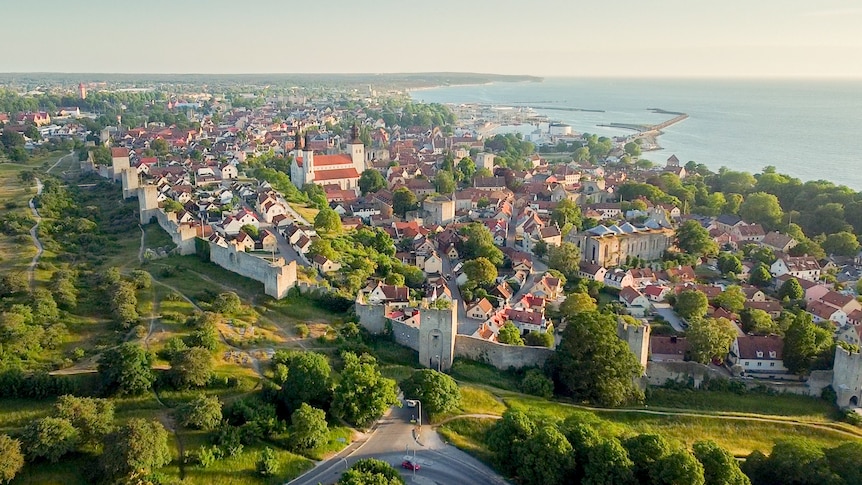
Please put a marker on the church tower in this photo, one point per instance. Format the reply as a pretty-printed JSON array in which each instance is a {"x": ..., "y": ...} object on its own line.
[
  {"x": 308, "y": 161},
  {"x": 357, "y": 149}
]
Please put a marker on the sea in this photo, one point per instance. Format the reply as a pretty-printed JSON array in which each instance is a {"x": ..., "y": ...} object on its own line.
[{"x": 809, "y": 129}]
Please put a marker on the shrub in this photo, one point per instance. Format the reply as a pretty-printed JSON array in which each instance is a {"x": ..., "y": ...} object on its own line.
[
  {"x": 535, "y": 382},
  {"x": 50, "y": 438},
  {"x": 268, "y": 464}
]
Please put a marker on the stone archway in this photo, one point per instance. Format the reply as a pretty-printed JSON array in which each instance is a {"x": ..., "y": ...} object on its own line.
[
  {"x": 854, "y": 401},
  {"x": 232, "y": 258}
]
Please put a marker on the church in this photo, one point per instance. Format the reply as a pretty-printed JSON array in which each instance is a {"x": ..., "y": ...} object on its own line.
[{"x": 342, "y": 170}]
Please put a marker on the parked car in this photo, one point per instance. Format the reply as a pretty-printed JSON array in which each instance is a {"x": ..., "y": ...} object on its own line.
[{"x": 409, "y": 465}]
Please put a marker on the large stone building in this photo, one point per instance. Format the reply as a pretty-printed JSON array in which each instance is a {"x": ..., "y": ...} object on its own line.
[
  {"x": 342, "y": 169},
  {"x": 611, "y": 245},
  {"x": 439, "y": 210}
]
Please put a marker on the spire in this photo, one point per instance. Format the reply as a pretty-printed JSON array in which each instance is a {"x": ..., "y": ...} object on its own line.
[
  {"x": 354, "y": 134},
  {"x": 298, "y": 142}
]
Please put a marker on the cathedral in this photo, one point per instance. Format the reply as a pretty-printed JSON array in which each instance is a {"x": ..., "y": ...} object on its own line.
[{"x": 342, "y": 170}]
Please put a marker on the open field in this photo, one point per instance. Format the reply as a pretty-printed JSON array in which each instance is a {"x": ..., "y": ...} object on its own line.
[{"x": 790, "y": 405}]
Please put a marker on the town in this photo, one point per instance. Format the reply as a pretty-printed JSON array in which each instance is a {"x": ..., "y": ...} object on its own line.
[{"x": 568, "y": 259}]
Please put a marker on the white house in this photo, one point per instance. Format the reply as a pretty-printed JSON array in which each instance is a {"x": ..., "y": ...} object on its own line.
[
  {"x": 481, "y": 310},
  {"x": 636, "y": 302},
  {"x": 758, "y": 354}
]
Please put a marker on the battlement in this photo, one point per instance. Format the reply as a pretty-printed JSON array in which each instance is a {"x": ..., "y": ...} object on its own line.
[{"x": 847, "y": 377}]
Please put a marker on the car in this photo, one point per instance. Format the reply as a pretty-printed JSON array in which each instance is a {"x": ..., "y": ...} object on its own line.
[{"x": 409, "y": 465}]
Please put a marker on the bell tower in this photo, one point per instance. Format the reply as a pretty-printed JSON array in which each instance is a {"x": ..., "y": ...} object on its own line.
[{"x": 357, "y": 149}]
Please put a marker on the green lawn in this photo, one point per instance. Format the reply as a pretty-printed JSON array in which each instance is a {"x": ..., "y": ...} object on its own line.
[
  {"x": 471, "y": 371},
  {"x": 240, "y": 469},
  {"x": 17, "y": 413},
  {"x": 156, "y": 237},
  {"x": 468, "y": 434},
  {"x": 802, "y": 407},
  {"x": 474, "y": 400}
]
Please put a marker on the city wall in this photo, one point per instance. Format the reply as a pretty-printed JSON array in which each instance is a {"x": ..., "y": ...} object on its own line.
[
  {"x": 501, "y": 356},
  {"x": 659, "y": 373},
  {"x": 277, "y": 276}
]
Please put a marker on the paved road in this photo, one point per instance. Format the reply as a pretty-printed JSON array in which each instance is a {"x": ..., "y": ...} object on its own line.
[
  {"x": 466, "y": 325},
  {"x": 392, "y": 441},
  {"x": 666, "y": 312}
]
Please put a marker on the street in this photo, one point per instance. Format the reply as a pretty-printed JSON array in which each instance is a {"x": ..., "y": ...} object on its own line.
[{"x": 393, "y": 442}]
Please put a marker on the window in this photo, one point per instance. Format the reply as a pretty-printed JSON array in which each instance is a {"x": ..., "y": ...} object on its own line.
[
  {"x": 747, "y": 363},
  {"x": 772, "y": 354},
  {"x": 759, "y": 354},
  {"x": 772, "y": 364},
  {"x": 759, "y": 364}
]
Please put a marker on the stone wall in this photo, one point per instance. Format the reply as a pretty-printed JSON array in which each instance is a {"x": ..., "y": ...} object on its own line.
[
  {"x": 406, "y": 335},
  {"x": 183, "y": 235},
  {"x": 372, "y": 317},
  {"x": 501, "y": 356},
  {"x": 658, "y": 373},
  {"x": 277, "y": 276},
  {"x": 847, "y": 378}
]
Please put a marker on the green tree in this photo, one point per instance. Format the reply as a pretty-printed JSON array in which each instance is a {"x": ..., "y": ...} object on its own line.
[
  {"x": 728, "y": 263},
  {"x": 633, "y": 149},
  {"x": 371, "y": 181},
  {"x": 762, "y": 208},
  {"x": 567, "y": 213},
  {"x": 644, "y": 450},
  {"x": 539, "y": 339},
  {"x": 566, "y": 259},
  {"x": 536, "y": 383},
  {"x": 327, "y": 220},
  {"x": 251, "y": 230},
  {"x": 50, "y": 438},
  {"x": 13, "y": 282},
  {"x": 308, "y": 428},
  {"x": 227, "y": 303},
  {"x": 467, "y": 168},
  {"x": 480, "y": 272},
  {"x": 793, "y": 461},
  {"x": 403, "y": 201},
  {"x": 691, "y": 304},
  {"x": 719, "y": 465},
  {"x": 510, "y": 334},
  {"x": 694, "y": 239},
  {"x": 808, "y": 247},
  {"x": 479, "y": 243},
  {"x": 444, "y": 182},
  {"x": 791, "y": 289},
  {"x": 371, "y": 471},
  {"x": 800, "y": 344},
  {"x": 191, "y": 367},
  {"x": 126, "y": 370},
  {"x": 267, "y": 466},
  {"x": 731, "y": 299},
  {"x": 843, "y": 460},
  {"x": 138, "y": 448},
  {"x": 710, "y": 338},
  {"x": 363, "y": 394},
  {"x": 11, "y": 458},
  {"x": 841, "y": 244},
  {"x": 160, "y": 146},
  {"x": 608, "y": 463},
  {"x": 507, "y": 435},
  {"x": 678, "y": 468},
  {"x": 438, "y": 392},
  {"x": 202, "y": 412},
  {"x": 760, "y": 276},
  {"x": 593, "y": 364},
  {"x": 545, "y": 457},
  {"x": 170, "y": 205},
  {"x": 93, "y": 418},
  {"x": 757, "y": 322},
  {"x": 308, "y": 379}
]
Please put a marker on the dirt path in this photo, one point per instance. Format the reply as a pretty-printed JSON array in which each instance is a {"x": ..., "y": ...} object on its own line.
[
  {"x": 141, "y": 249},
  {"x": 31, "y": 269}
]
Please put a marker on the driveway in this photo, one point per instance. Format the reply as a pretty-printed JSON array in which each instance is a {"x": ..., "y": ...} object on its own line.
[{"x": 666, "y": 312}]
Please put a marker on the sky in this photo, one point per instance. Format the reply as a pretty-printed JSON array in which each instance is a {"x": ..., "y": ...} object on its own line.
[{"x": 601, "y": 38}]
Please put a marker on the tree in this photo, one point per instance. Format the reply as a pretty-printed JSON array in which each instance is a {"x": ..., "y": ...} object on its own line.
[
  {"x": 479, "y": 243},
  {"x": 540, "y": 249},
  {"x": 170, "y": 205},
  {"x": 793, "y": 461},
  {"x": 760, "y": 276},
  {"x": 728, "y": 263},
  {"x": 841, "y": 244},
  {"x": 308, "y": 428},
  {"x": 566, "y": 259},
  {"x": 632, "y": 149},
  {"x": 327, "y": 220},
  {"x": 691, "y": 304},
  {"x": 762, "y": 208},
  {"x": 644, "y": 450},
  {"x": 545, "y": 457},
  {"x": 267, "y": 466},
  {"x": 371, "y": 181},
  {"x": 438, "y": 392},
  {"x": 757, "y": 322},
  {"x": 678, "y": 468},
  {"x": 192, "y": 367},
  {"x": 13, "y": 282},
  {"x": 93, "y": 418},
  {"x": 444, "y": 182},
  {"x": 535, "y": 382},
  {"x": 126, "y": 370},
  {"x": 363, "y": 394},
  {"x": 566, "y": 212},
  {"x": 11, "y": 458},
  {"x": 808, "y": 247},
  {"x": 593, "y": 364},
  {"x": 308, "y": 379},
  {"x": 371, "y": 471},
  {"x": 539, "y": 339},
  {"x": 251, "y": 230},
  {"x": 844, "y": 460},
  {"x": 480, "y": 272},
  {"x": 719, "y": 465},
  {"x": 694, "y": 239},
  {"x": 202, "y": 412},
  {"x": 791, "y": 289},
  {"x": 510, "y": 334},
  {"x": 800, "y": 344},
  {"x": 160, "y": 146},
  {"x": 731, "y": 299},
  {"x": 403, "y": 200},
  {"x": 50, "y": 438},
  {"x": 608, "y": 463},
  {"x": 467, "y": 168},
  {"x": 508, "y": 435},
  {"x": 227, "y": 303},
  {"x": 137, "y": 448},
  {"x": 710, "y": 338}
]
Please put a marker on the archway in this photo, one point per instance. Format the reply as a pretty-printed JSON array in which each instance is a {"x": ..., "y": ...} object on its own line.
[{"x": 854, "y": 401}]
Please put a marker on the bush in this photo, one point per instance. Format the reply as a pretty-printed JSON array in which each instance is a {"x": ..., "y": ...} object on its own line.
[
  {"x": 267, "y": 466},
  {"x": 308, "y": 428},
  {"x": 50, "y": 438},
  {"x": 11, "y": 458},
  {"x": 535, "y": 382},
  {"x": 853, "y": 418},
  {"x": 302, "y": 330},
  {"x": 227, "y": 303}
]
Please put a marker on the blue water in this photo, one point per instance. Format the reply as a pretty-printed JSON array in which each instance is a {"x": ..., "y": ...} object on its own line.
[{"x": 808, "y": 129}]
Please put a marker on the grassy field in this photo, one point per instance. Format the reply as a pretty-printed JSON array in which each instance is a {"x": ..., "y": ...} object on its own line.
[
  {"x": 791, "y": 405},
  {"x": 240, "y": 469},
  {"x": 474, "y": 400},
  {"x": 468, "y": 434},
  {"x": 470, "y": 371}
]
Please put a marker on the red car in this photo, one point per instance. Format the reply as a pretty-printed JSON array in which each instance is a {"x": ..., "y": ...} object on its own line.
[{"x": 409, "y": 465}]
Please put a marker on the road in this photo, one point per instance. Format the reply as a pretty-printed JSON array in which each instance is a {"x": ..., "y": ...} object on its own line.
[
  {"x": 466, "y": 325},
  {"x": 666, "y": 312},
  {"x": 392, "y": 441}
]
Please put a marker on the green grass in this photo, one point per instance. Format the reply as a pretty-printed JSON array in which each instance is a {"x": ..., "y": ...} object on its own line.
[
  {"x": 156, "y": 237},
  {"x": 802, "y": 407},
  {"x": 474, "y": 400},
  {"x": 332, "y": 445},
  {"x": 17, "y": 413},
  {"x": 70, "y": 471},
  {"x": 387, "y": 351},
  {"x": 397, "y": 372},
  {"x": 240, "y": 469},
  {"x": 300, "y": 310},
  {"x": 468, "y": 434},
  {"x": 470, "y": 371},
  {"x": 187, "y": 276}
]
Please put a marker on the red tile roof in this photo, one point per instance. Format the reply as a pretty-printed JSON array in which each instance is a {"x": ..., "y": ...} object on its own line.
[{"x": 339, "y": 173}]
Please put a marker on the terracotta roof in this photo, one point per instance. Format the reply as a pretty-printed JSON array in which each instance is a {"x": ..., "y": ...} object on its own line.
[
  {"x": 484, "y": 305},
  {"x": 836, "y": 299},
  {"x": 532, "y": 318},
  {"x": 668, "y": 345},
  {"x": 329, "y": 160},
  {"x": 770, "y": 347},
  {"x": 339, "y": 173},
  {"x": 629, "y": 294},
  {"x": 119, "y": 152},
  {"x": 821, "y": 310}
]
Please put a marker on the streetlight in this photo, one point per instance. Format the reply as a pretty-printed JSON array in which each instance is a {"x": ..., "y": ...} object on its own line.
[{"x": 413, "y": 402}]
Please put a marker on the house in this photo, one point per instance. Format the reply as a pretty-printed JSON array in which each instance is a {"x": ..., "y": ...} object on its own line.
[
  {"x": 503, "y": 291},
  {"x": 613, "y": 245},
  {"x": 728, "y": 222},
  {"x": 851, "y": 335},
  {"x": 243, "y": 242},
  {"x": 481, "y": 310},
  {"x": 551, "y": 235},
  {"x": 772, "y": 307},
  {"x": 824, "y": 312},
  {"x": 438, "y": 291},
  {"x": 636, "y": 302},
  {"x": 590, "y": 271},
  {"x": 664, "y": 348},
  {"x": 751, "y": 233},
  {"x": 229, "y": 171},
  {"x": 803, "y": 267},
  {"x": 268, "y": 242},
  {"x": 813, "y": 291},
  {"x": 619, "y": 279},
  {"x": 753, "y": 293},
  {"x": 843, "y": 302},
  {"x": 656, "y": 293},
  {"x": 430, "y": 264},
  {"x": 324, "y": 265},
  {"x": 547, "y": 287},
  {"x": 303, "y": 244},
  {"x": 758, "y": 354},
  {"x": 778, "y": 242},
  {"x": 389, "y": 294},
  {"x": 526, "y": 321}
]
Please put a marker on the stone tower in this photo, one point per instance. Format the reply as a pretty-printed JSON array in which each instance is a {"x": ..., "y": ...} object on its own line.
[
  {"x": 437, "y": 330},
  {"x": 637, "y": 336},
  {"x": 148, "y": 202},
  {"x": 847, "y": 378},
  {"x": 357, "y": 149}
]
